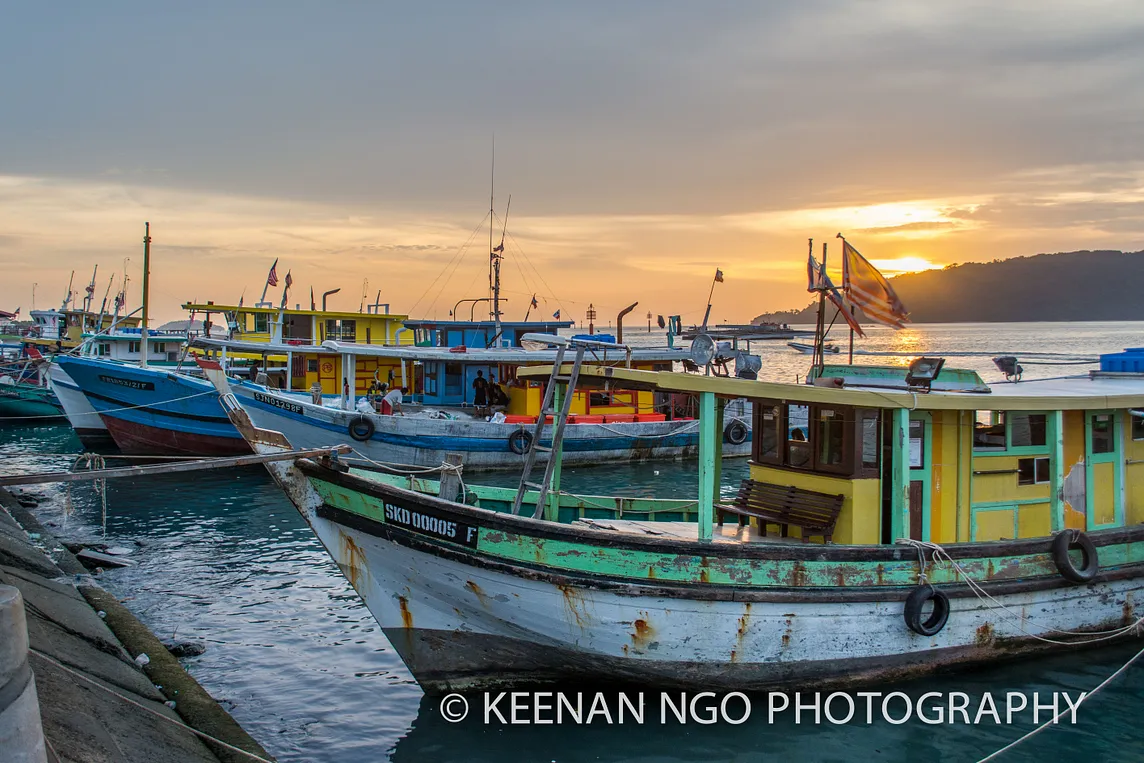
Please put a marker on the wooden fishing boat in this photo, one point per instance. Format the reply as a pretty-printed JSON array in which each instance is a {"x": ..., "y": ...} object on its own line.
[
  {"x": 604, "y": 426},
  {"x": 808, "y": 349},
  {"x": 28, "y": 402},
  {"x": 921, "y": 529}
]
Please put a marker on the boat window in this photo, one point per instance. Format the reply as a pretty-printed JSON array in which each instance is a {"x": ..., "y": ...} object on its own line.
[
  {"x": 768, "y": 419},
  {"x": 989, "y": 431},
  {"x": 870, "y": 440},
  {"x": 798, "y": 442},
  {"x": 1102, "y": 433},
  {"x": 917, "y": 444},
  {"x": 1032, "y": 471},
  {"x": 831, "y": 436},
  {"x": 261, "y": 323},
  {"x": 1137, "y": 424},
  {"x": 1027, "y": 430}
]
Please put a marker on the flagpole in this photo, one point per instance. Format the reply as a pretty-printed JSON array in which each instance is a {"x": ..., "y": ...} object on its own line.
[
  {"x": 710, "y": 295},
  {"x": 266, "y": 286}
]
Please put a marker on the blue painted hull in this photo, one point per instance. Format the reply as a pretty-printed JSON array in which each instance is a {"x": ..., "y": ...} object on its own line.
[{"x": 154, "y": 411}]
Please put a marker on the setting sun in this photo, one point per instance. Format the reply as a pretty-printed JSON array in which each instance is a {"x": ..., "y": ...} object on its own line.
[{"x": 899, "y": 265}]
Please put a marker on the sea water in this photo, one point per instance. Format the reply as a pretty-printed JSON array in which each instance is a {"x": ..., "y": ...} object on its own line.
[{"x": 225, "y": 560}]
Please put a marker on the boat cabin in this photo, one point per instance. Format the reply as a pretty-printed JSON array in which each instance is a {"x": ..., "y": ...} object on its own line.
[
  {"x": 163, "y": 347},
  {"x": 69, "y": 326},
  {"x": 950, "y": 461},
  {"x": 303, "y": 327},
  {"x": 479, "y": 334}
]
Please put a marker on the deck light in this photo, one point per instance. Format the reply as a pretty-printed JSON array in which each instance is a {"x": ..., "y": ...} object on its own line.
[
  {"x": 923, "y": 371},
  {"x": 1007, "y": 364}
]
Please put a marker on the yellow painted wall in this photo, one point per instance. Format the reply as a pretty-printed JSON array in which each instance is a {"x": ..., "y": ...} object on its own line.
[
  {"x": 994, "y": 525},
  {"x": 1074, "y": 459},
  {"x": 859, "y": 522},
  {"x": 998, "y": 488},
  {"x": 943, "y": 477},
  {"x": 1103, "y": 489},
  {"x": 1133, "y": 476}
]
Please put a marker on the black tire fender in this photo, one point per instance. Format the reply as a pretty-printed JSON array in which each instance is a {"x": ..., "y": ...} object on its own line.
[
  {"x": 1075, "y": 540},
  {"x": 519, "y": 442},
  {"x": 361, "y": 428},
  {"x": 913, "y": 612},
  {"x": 735, "y": 432}
]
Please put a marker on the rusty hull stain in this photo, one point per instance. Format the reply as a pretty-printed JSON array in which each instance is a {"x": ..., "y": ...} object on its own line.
[
  {"x": 476, "y": 589},
  {"x": 406, "y": 615},
  {"x": 642, "y": 634},
  {"x": 984, "y": 635},
  {"x": 351, "y": 559},
  {"x": 574, "y": 605}
]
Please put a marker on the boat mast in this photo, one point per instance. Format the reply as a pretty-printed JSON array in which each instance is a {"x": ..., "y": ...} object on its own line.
[
  {"x": 494, "y": 255},
  {"x": 67, "y": 299},
  {"x": 90, "y": 291},
  {"x": 146, "y": 294},
  {"x": 819, "y": 330}
]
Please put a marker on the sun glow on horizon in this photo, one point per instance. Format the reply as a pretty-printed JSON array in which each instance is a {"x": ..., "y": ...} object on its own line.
[{"x": 900, "y": 265}]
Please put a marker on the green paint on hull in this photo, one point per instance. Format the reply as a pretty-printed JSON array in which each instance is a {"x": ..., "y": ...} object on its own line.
[
  {"x": 666, "y": 567},
  {"x": 20, "y": 400}
]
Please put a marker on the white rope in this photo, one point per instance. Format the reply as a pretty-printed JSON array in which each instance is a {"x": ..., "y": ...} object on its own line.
[
  {"x": 411, "y": 472},
  {"x": 981, "y": 593},
  {"x": 1061, "y": 714},
  {"x": 692, "y": 425},
  {"x": 115, "y": 410},
  {"x": 152, "y": 711}
]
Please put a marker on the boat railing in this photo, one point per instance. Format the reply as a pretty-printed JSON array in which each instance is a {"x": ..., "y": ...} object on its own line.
[{"x": 591, "y": 344}]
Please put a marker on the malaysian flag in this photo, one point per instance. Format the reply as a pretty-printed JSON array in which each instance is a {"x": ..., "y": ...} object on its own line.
[
  {"x": 556, "y": 315},
  {"x": 817, "y": 280},
  {"x": 869, "y": 290},
  {"x": 534, "y": 302},
  {"x": 272, "y": 277},
  {"x": 718, "y": 275}
]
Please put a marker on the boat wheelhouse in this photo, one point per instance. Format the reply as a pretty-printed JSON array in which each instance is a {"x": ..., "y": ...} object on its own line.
[{"x": 911, "y": 529}]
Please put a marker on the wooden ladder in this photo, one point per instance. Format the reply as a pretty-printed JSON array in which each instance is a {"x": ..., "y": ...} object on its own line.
[{"x": 546, "y": 410}]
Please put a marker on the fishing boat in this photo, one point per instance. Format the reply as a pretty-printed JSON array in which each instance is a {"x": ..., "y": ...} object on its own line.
[
  {"x": 442, "y": 416},
  {"x": 27, "y": 402},
  {"x": 808, "y": 349},
  {"x": 915, "y": 529}
]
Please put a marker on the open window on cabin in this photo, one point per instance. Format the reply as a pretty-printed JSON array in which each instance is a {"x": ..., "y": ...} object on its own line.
[
  {"x": 830, "y": 439},
  {"x": 261, "y": 323},
  {"x": 1006, "y": 430},
  {"x": 1033, "y": 471},
  {"x": 1137, "y": 417}
]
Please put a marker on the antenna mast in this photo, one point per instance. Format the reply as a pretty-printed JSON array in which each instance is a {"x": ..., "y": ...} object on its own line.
[
  {"x": 495, "y": 253},
  {"x": 90, "y": 292}
]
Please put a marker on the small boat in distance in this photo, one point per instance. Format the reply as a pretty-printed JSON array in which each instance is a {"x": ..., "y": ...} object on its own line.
[{"x": 808, "y": 349}]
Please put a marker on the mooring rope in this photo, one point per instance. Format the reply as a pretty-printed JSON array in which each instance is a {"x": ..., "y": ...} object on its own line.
[
  {"x": 940, "y": 553},
  {"x": 1058, "y": 716},
  {"x": 152, "y": 711},
  {"x": 114, "y": 410}
]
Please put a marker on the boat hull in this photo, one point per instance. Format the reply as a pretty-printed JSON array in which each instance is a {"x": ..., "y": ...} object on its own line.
[
  {"x": 531, "y": 603},
  {"x": 421, "y": 441},
  {"x": 155, "y": 412},
  {"x": 28, "y": 404},
  {"x": 85, "y": 420}
]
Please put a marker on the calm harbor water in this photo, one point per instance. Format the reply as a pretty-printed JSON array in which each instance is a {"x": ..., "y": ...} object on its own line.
[{"x": 224, "y": 559}]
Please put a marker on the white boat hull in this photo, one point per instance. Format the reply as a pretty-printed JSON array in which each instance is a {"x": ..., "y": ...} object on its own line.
[{"x": 81, "y": 415}]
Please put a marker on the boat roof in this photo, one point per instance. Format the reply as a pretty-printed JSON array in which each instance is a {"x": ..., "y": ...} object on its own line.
[
  {"x": 470, "y": 355},
  {"x": 1088, "y": 392},
  {"x": 210, "y": 307}
]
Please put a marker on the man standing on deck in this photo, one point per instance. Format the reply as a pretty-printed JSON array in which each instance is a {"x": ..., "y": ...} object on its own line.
[
  {"x": 391, "y": 403},
  {"x": 480, "y": 391}
]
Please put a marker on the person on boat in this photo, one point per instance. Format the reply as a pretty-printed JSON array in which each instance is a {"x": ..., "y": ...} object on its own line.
[
  {"x": 480, "y": 392},
  {"x": 497, "y": 396},
  {"x": 391, "y": 403}
]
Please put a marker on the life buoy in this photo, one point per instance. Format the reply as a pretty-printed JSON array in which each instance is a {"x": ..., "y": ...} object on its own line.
[
  {"x": 915, "y": 603},
  {"x": 735, "y": 432},
  {"x": 519, "y": 442},
  {"x": 361, "y": 429},
  {"x": 1075, "y": 540}
]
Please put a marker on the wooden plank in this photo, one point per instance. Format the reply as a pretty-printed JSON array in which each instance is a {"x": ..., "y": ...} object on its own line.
[{"x": 169, "y": 468}]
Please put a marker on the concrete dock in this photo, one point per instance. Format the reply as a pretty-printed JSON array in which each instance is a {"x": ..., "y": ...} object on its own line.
[{"x": 97, "y": 704}]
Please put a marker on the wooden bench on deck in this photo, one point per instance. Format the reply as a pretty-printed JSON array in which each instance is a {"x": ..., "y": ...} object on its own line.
[{"x": 815, "y": 513}]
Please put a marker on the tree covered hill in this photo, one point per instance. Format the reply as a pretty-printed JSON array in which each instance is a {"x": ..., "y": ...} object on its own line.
[{"x": 1068, "y": 286}]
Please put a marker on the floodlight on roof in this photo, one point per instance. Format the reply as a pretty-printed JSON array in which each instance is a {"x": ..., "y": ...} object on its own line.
[{"x": 923, "y": 371}]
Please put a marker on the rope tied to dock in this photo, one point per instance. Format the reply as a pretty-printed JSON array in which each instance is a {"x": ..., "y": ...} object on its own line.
[
  {"x": 145, "y": 708},
  {"x": 941, "y": 554},
  {"x": 91, "y": 462}
]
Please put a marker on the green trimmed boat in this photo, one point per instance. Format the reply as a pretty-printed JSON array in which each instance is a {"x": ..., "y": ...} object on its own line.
[{"x": 25, "y": 402}]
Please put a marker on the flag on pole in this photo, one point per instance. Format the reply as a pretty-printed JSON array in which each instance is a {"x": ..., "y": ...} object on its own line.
[
  {"x": 499, "y": 247},
  {"x": 718, "y": 275},
  {"x": 869, "y": 290},
  {"x": 272, "y": 276},
  {"x": 286, "y": 288},
  {"x": 556, "y": 315},
  {"x": 289, "y": 280},
  {"x": 313, "y": 306},
  {"x": 818, "y": 280},
  {"x": 534, "y": 302}
]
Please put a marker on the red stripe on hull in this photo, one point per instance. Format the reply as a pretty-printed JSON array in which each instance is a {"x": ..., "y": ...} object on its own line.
[{"x": 139, "y": 439}]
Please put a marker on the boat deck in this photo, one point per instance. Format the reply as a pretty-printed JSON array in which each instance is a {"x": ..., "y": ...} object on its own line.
[{"x": 728, "y": 533}]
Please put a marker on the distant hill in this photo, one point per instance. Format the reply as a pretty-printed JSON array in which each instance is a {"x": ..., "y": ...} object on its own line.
[{"x": 1068, "y": 286}]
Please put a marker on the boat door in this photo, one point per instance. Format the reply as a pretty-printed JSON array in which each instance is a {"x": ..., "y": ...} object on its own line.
[
  {"x": 921, "y": 428},
  {"x": 327, "y": 376},
  {"x": 1104, "y": 462}
]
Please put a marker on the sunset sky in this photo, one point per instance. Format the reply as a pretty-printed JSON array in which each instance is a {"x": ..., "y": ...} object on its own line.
[{"x": 644, "y": 145}]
